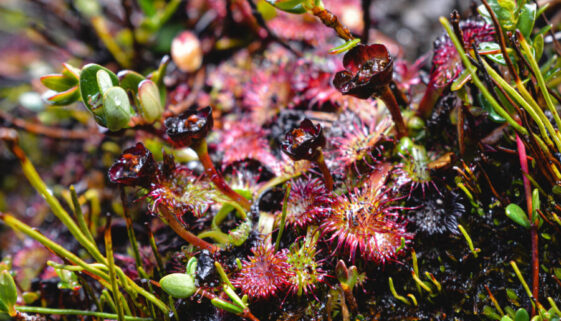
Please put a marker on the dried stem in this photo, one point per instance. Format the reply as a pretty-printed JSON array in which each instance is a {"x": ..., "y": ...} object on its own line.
[{"x": 51, "y": 132}]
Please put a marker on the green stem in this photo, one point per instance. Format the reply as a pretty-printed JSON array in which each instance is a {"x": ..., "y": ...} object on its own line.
[
  {"x": 51, "y": 311},
  {"x": 79, "y": 215},
  {"x": 111, "y": 266},
  {"x": 537, "y": 114},
  {"x": 283, "y": 217},
  {"x": 130, "y": 232},
  {"x": 521, "y": 279},
  {"x": 216, "y": 177},
  {"x": 540, "y": 79},
  {"x": 473, "y": 72},
  {"x": 101, "y": 276},
  {"x": 468, "y": 240}
]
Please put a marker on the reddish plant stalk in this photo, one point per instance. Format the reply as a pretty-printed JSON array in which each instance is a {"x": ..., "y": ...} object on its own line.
[
  {"x": 391, "y": 103},
  {"x": 533, "y": 220},
  {"x": 331, "y": 20},
  {"x": 216, "y": 177},
  {"x": 183, "y": 233},
  {"x": 327, "y": 178}
]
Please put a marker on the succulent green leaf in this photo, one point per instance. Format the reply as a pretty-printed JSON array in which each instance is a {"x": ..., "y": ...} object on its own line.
[
  {"x": 149, "y": 98},
  {"x": 70, "y": 71},
  {"x": 116, "y": 108},
  {"x": 506, "y": 318},
  {"x": 527, "y": 19},
  {"x": 178, "y": 285},
  {"x": 517, "y": 214},
  {"x": 90, "y": 91},
  {"x": 63, "y": 98},
  {"x": 103, "y": 81},
  {"x": 8, "y": 292},
  {"x": 58, "y": 82},
  {"x": 129, "y": 80},
  {"x": 521, "y": 315}
]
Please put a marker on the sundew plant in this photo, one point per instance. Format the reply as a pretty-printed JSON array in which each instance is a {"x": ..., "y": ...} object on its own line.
[{"x": 279, "y": 160}]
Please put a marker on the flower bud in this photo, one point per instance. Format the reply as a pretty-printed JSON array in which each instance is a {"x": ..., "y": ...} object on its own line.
[
  {"x": 136, "y": 166},
  {"x": 304, "y": 141},
  {"x": 368, "y": 68},
  {"x": 178, "y": 285},
  {"x": 190, "y": 127},
  {"x": 149, "y": 97},
  {"x": 186, "y": 51}
]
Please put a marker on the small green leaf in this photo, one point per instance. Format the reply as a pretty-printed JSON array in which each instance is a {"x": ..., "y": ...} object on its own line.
[
  {"x": 490, "y": 110},
  {"x": 63, "y": 98},
  {"x": 538, "y": 46},
  {"x": 191, "y": 268},
  {"x": 521, "y": 315},
  {"x": 58, "y": 82},
  {"x": 487, "y": 48},
  {"x": 89, "y": 88},
  {"x": 158, "y": 78},
  {"x": 129, "y": 80},
  {"x": 344, "y": 47},
  {"x": 464, "y": 77},
  {"x": 506, "y": 318},
  {"x": 103, "y": 81},
  {"x": 8, "y": 291},
  {"x": 527, "y": 19},
  {"x": 291, "y": 6},
  {"x": 178, "y": 285},
  {"x": 149, "y": 98},
  {"x": 116, "y": 108},
  {"x": 517, "y": 214},
  {"x": 70, "y": 71}
]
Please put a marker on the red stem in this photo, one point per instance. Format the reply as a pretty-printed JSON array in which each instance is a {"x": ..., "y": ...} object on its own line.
[
  {"x": 432, "y": 93},
  {"x": 217, "y": 178},
  {"x": 327, "y": 178},
  {"x": 184, "y": 234},
  {"x": 534, "y": 228},
  {"x": 389, "y": 99}
]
